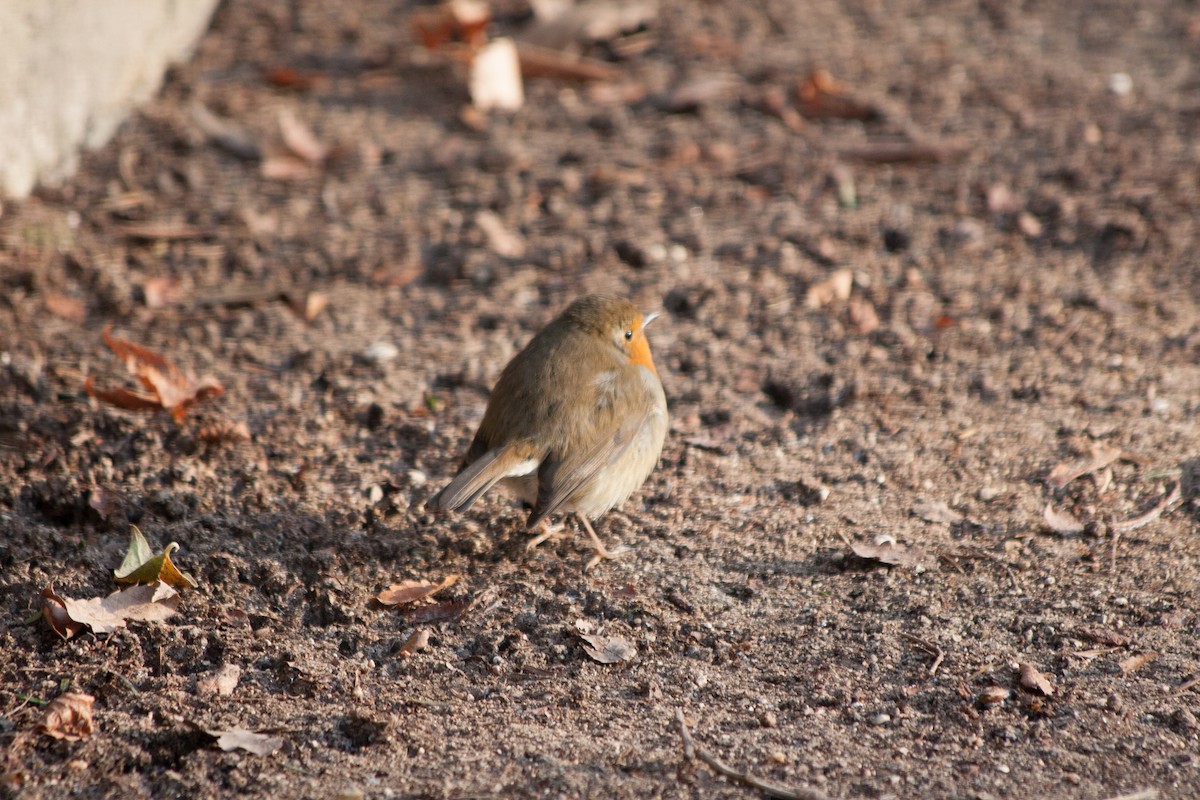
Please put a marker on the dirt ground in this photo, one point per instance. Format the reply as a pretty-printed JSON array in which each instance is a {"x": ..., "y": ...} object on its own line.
[{"x": 1025, "y": 298}]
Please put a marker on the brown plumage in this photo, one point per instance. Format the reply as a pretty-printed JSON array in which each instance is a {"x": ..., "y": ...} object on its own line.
[{"x": 576, "y": 421}]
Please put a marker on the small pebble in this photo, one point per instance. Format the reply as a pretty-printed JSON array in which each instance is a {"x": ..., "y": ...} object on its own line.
[
  {"x": 881, "y": 719},
  {"x": 1120, "y": 84},
  {"x": 987, "y": 494},
  {"x": 381, "y": 353}
]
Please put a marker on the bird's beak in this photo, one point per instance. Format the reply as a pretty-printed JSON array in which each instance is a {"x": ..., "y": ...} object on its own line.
[{"x": 653, "y": 315}]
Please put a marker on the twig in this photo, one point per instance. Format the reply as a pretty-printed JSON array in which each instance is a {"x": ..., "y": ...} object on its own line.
[
  {"x": 1127, "y": 525},
  {"x": 930, "y": 648},
  {"x": 1183, "y": 687},
  {"x": 1141, "y": 794},
  {"x": 693, "y": 753}
]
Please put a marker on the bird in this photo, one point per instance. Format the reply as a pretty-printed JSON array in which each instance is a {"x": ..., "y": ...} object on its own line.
[{"x": 576, "y": 421}]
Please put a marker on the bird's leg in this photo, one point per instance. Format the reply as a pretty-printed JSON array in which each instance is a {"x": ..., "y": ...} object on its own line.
[
  {"x": 546, "y": 532},
  {"x": 602, "y": 552}
]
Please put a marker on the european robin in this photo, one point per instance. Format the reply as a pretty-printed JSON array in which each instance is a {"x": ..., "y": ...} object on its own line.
[{"x": 576, "y": 421}]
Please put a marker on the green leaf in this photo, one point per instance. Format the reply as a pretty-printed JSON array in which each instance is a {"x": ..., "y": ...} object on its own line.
[{"x": 142, "y": 566}]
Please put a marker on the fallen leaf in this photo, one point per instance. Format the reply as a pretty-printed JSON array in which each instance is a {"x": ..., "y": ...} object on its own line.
[
  {"x": 608, "y": 649},
  {"x": 1060, "y": 521},
  {"x": 891, "y": 553},
  {"x": 495, "y": 77},
  {"x": 1102, "y": 455},
  {"x": 1137, "y": 662},
  {"x": 221, "y": 681},
  {"x": 141, "y": 565},
  {"x": 1033, "y": 681},
  {"x": 107, "y": 503},
  {"x": 54, "y": 611},
  {"x": 239, "y": 739},
  {"x": 127, "y": 399},
  {"x": 835, "y": 287},
  {"x": 412, "y": 591},
  {"x": 152, "y": 603},
  {"x": 936, "y": 511},
  {"x": 69, "y": 717},
  {"x": 992, "y": 696},
  {"x": 1102, "y": 635},
  {"x": 174, "y": 389},
  {"x": 820, "y": 96},
  {"x": 415, "y": 643}
]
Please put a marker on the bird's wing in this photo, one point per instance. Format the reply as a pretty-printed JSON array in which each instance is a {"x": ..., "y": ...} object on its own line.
[
  {"x": 482, "y": 474},
  {"x": 559, "y": 479}
]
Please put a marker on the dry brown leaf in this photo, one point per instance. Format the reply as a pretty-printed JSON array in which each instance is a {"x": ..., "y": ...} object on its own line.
[
  {"x": 1060, "y": 521},
  {"x": 1063, "y": 473},
  {"x": 152, "y": 603},
  {"x": 239, "y": 739},
  {"x": 992, "y": 696},
  {"x": 418, "y": 641},
  {"x": 835, "y": 287},
  {"x": 608, "y": 649},
  {"x": 1137, "y": 662},
  {"x": 54, "y": 611},
  {"x": 891, "y": 553},
  {"x": 107, "y": 503},
  {"x": 820, "y": 96},
  {"x": 1102, "y": 635},
  {"x": 220, "y": 681},
  {"x": 69, "y": 717},
  {"x": 65, "y": 306},
  {"x": 412, "y": 591},
  {"x": 1033, "y": 681},
  {"x": 936, "y": 511},
  {"x": 174, "y": 389},
  {"x": 127, "y": 399}
]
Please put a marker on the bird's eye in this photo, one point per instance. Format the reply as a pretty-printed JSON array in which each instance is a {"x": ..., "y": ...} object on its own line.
[{"x": 629, "y": 335}]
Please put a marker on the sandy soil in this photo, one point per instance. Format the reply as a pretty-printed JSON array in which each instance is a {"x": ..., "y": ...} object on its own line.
[{"x": 1023, "y": 300}]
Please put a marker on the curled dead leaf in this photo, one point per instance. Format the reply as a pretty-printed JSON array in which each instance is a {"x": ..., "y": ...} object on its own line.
[
  {"x": 172, "y": 388},
  {"x": 608, "y": 649},
  {"x": 418, "y": 641},
  {"x": 1133, "y": 663},
  {"x": 1060, "y": 521},
  {"x": 1101, "y": 456},
  {"x": 141, "y": 565},
  {"x": 68, "y": 717},
  {"x": 412, "y": 591},
  {"x": 54, "y": 611},
  {"x": 1033, "y": 681}
]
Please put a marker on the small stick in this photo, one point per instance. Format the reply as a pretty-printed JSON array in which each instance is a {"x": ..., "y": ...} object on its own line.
[
  {"x": 1124, "y": 526},
  {"x": 693, "y": 753},
  {"x": 930, "y": 648},
  {"x": 1183, "y": 687}
]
